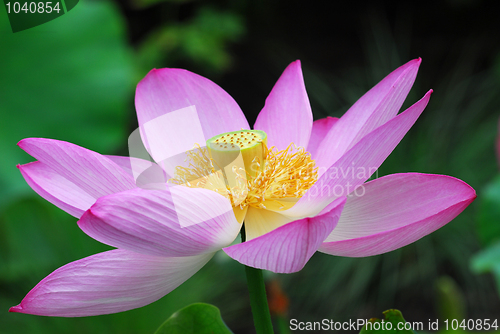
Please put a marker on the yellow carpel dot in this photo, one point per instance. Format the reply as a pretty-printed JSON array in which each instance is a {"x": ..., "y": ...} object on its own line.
[{"x": 239, "y": 166}]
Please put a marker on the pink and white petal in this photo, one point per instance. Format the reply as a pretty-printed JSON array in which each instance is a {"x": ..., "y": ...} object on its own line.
[
  {"x": 192, "y": 108},
  {"x": 133, "y": 166},
  {"x": 56, "y": 189},
  {"x": 109, "y": 282},
  {"x": 179, "y": 221},
  {"x": 287, "y": 248},
  {"x": 147, "y": 174},
  {"x": 396, "y": 210},
  {"x": 375, "y": 108},
  {"x": 320, "y": 129},
  {"x": 287, "y": 116},
  {"x": 93, "y": 173},
  {"x": 357, "y": 164}
]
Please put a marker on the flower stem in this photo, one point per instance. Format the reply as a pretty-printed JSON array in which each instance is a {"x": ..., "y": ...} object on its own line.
[{"x": 258, "y": 298}]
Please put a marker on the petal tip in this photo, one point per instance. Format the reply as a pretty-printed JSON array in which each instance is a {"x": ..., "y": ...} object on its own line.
[
  {"x": 87, "y": 217},
  {"x": 16, "y": 309},
  {"x": 22, "y": 142}
]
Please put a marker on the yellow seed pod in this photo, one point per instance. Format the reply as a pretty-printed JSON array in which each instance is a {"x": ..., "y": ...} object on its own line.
[{"x": 250, "y": 146}]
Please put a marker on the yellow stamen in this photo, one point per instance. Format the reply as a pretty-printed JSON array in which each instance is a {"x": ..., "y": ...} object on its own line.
[{"x": 280, "y": 179}]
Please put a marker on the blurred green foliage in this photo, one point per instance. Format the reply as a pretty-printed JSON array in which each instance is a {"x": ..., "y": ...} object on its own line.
[
  {"x": 198, "y": 318},
  {"x": 488, "y": 261},
  {"x": 201, "y": 40},
  {"x": 489, "y": 213},
  {"x": 147, "y": 3},
  {"x": 450, "y": 299}
]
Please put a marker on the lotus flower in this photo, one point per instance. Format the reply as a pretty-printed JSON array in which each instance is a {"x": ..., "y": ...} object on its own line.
[{"x": 302, "y": 189}]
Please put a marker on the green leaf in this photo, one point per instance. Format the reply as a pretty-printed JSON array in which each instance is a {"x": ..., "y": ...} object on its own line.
[
  {"x": 387, "y": 325},
  {"x": 69, "y": 79},
  {"x": 489, "y": 213},
  {"x": 196, "y": 318}
]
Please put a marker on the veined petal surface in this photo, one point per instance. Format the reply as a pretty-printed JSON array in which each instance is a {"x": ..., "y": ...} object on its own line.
[
  {"x": 109, "y": 282},
  {"x": 320, "y": 129},
  {"x": 147, "y": 174},
  {"x": 287, "y": 116},
  {"x": 179, "y": 221},
  {"x": 375, "y": 108},
  {"x": 90, "y": 171},
  {"x": 396, "y": 210},
  {"x": 56, "y": 189},
  {"x": 287, "y": 248},
  {"x": 357, "y": 164}
]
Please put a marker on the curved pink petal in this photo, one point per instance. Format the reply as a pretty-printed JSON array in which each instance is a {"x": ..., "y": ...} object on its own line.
[
  {"x": 357, "y": 164},
  {"x": 375, "y": 108},
  {"x": 109, "y": 282},
  {"x": 93, "y": 173},
  {"x": 287, "y": 116},
  {"x": 147, "y": 174},
  {"x": 287, "y": 248},
  {"x": 320, "y": 129},
  {"x": 179, "y": 221},
  {"x": 396, "y": 210},
  {"x": 177, "y": 109},
  {"x": 56, "y": 189},
  {"x": 133, "y": 166}
]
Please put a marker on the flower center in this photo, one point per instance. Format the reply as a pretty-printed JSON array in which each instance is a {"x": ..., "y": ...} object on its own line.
[
  {"x": 239, "y": 166},
  {"x": 248, "y": 145}
]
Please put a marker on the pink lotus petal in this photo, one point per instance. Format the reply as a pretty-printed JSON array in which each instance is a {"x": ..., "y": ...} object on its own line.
[
  {"x": 287, "y": 248},
  {"x": 375, "y": 108},
  {"x": 396, "y": 210},
  {"x": 93, "y": 173},
  {"x": 357, "y": 164},
  {"x": 56, "y": 189},
  {"x": 180, "y": 221},
  {"x": 109, "y": 282},
  {"x": 133, "y": 166},
  {"x": 320, "y": 129},
  {"x": 177, "y": 108},
  {"x": 147, "y": 174},
  {"x": 286, "y": 116}
]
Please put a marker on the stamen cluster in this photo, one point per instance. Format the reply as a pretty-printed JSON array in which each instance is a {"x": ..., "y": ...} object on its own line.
[{"x": 286, "y": 176}]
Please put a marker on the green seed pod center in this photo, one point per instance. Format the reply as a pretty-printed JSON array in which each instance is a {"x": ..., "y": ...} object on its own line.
[{"x": 250, "y": 145}]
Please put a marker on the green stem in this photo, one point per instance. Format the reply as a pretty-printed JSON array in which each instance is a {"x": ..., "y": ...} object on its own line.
[
  {"x": 258, "y": 298},
  {"x": 282, "y": 325}
]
